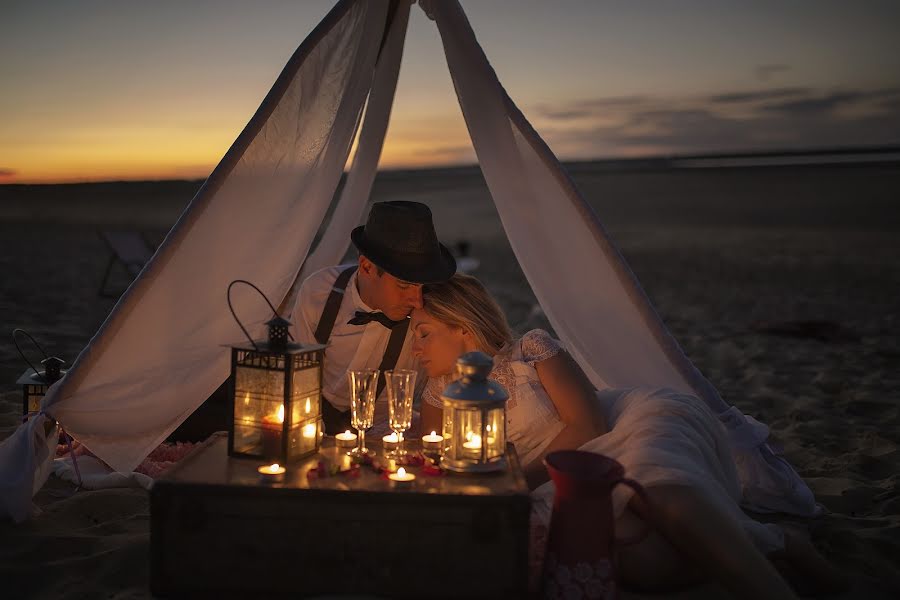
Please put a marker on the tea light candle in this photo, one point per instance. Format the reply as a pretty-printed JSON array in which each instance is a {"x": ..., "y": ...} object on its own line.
[
  {"x": 432, "y": 442},
  {"x": 390, "y": 442},
  {"x": 401, "y": 478},
  {"x": 346, "y": 439},
  {"x": 473, "y": 442},
  {"x": 273, "y": 473}
]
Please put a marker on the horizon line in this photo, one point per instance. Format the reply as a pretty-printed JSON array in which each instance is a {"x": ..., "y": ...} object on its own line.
[{"x": 750, "y": 158}]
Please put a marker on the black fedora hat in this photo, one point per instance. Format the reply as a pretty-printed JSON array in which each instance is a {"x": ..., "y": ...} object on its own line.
[{"x": 399, "y": 237}]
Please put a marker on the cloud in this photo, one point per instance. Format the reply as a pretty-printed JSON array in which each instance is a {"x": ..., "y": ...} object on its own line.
[
  {"x": 749, "y": 120},
  {"x": 7, "y": 173},
  {"x": 758, "y": 95},
  {"x": 815, "y": 105},
  {"x": 768, "y": 71},
  {"x": 588, "y": 108}
]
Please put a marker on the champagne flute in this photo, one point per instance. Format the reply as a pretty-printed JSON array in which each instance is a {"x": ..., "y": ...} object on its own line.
[
  {"x": 401, "y": 387},
  {"x": 363, "y": 387}
]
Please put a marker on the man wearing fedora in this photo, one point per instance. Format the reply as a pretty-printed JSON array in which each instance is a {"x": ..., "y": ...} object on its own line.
[{"x": 362, "y": 311}]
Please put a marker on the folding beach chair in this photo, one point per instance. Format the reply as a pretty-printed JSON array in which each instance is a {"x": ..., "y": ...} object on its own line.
[{"x": 131, "y": 249}]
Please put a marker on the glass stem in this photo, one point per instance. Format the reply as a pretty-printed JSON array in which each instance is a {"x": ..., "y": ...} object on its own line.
[
  {"x": 399, "y": 443},
  {"x": 362, "y": 441}
]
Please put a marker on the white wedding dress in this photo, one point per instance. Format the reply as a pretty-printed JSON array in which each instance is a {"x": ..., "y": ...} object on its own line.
[{"x": 660, "y": 436}]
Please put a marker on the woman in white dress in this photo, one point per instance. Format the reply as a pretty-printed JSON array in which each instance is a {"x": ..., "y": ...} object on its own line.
[{"x": 669, "y": 442}]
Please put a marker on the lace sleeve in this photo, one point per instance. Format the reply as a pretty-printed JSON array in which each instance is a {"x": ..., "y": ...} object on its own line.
[
  {"x": 538, "y": 346},
  {"x": 432, "y": 393}
]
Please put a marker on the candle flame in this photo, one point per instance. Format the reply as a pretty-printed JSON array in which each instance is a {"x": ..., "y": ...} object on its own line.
[
  {"x": 401, "y": 472},
  {"x": 347, "y": 433},
  {"x": 246, "y": 398},
  {"x": 433, "y": 433},
  {"x": 307, "y": 406},
  {"x": 274, "y": 467},
  {"x": 281, "y": 413}
]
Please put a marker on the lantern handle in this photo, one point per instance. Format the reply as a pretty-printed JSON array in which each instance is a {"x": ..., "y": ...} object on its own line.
[
  {"x": 22, "y": 354},
  {"x": 234, "y": 314}
]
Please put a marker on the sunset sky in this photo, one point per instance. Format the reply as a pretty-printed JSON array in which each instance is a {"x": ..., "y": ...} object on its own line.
[{"x": 96, "y": 90}]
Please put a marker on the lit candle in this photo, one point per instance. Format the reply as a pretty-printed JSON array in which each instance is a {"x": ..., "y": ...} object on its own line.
[
  {"x": 401, "y": 477},
  {"x": 432, "y": 442},
  {"x": 273, "y": 473},
  {"x": 271, "y": 432},
  {"x": 473, "y": 441},
  {"x": 346, "y": 439},
  {"x": 390, "y": 442},
  {"x": 309, "y": 431}
]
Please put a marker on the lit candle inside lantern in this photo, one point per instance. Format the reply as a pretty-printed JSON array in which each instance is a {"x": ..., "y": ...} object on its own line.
[
  {"x": 273, "y": 473},
  {"x": 401, "y": 477},
  {"x": 271, "y": 432},
  {"x": 346, "y": 439},
  {"x": 473, "y": 441},
  {"x": 309, "y": 430}
]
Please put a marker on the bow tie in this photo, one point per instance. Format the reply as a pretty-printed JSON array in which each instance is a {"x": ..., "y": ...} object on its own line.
[{"x": 364, "y": 318}]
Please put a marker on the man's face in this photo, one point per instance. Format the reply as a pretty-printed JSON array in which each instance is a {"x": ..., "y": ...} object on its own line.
[{"x": 394, "y": 297}]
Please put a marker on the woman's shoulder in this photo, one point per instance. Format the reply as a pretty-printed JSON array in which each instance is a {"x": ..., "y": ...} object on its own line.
[{"x": 537, "y": 346}]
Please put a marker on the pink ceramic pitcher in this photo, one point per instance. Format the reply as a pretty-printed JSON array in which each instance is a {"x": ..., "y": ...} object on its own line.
[{"x": 581, "y": 543}]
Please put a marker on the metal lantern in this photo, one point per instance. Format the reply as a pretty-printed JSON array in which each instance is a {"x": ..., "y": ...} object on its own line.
[
  {"x": 36, "y": 382},
  {"x": 474, "y": 418},
  {"x": 276, "y": 396}
]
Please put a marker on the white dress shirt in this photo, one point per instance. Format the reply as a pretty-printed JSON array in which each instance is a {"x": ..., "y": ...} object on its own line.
[{"x": 350, "y": 347}]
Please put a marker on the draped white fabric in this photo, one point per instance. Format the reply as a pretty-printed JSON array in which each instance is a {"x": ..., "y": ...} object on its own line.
[
  {"x": 160, "y": 354},
  {"x": 609, "y": 325}
]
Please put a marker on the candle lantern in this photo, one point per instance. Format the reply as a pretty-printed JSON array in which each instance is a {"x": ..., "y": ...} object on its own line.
[
  {"x": 275, "y": 389},
  {"x": 36, "y": 382},
  {"x": 474, "y": 418}
]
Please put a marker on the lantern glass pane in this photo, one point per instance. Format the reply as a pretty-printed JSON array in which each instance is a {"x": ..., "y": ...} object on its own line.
[
  {"x": 495, "y": 430},
  {"x": 258, "y": 411},
  {"x": 447, "y": 432},
  {"x": 34, "y": 395},
  {"x": 304, "y": 437}
]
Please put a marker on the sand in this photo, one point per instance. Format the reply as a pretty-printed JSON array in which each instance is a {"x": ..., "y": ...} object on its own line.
[{"x": 732, "y": 258}]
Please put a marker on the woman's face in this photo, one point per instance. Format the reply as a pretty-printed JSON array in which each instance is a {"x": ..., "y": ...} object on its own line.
[{"x": 436, "y": 344}]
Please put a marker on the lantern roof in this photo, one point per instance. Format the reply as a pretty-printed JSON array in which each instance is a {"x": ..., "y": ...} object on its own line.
[
  {"x": 264, "y": 346},
  {"x": 52, "y": 361},
  {"x": 32, "y": 377},
  {"x": 278, "y": 320},
  {"x": 473, "y": 388}
]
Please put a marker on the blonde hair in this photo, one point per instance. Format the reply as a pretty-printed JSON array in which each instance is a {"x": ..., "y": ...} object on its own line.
[{"x": 463, "y": 301}]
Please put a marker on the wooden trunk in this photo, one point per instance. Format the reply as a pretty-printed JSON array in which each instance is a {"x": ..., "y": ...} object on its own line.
[{"x": 217, "y": 530}]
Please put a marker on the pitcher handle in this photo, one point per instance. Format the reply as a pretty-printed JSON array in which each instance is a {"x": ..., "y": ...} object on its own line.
[{"x": 639, "y": 490}]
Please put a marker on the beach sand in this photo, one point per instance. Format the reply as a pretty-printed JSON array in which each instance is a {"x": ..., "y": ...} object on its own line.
[{"x": 731, "y": 258}]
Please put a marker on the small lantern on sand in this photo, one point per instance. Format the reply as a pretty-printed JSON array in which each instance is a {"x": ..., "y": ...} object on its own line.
[{"x": 36, "y": 382}]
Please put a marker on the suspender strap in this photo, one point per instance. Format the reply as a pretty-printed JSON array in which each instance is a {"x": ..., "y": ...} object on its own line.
[
  {"x": 333, "y": 305},
  {"x": 392, "y": 352},
  {"x": 329, "y": 316}
]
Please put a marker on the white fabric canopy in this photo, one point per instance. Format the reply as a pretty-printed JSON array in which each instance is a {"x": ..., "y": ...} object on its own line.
[{"x": 159, "y": 354}]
